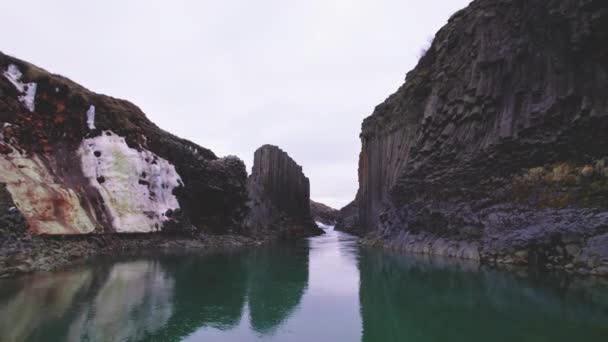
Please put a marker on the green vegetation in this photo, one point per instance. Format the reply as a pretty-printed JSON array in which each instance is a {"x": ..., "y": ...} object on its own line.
[{"x": 563, "y": 184}]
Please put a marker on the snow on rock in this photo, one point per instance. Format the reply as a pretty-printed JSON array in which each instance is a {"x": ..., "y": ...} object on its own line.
[
  {"x": 91, "y": 117},
  {"x": 48, "y": 206},
  {"x": 28, "y": 90},
  {"x": 136, "y": 186}
]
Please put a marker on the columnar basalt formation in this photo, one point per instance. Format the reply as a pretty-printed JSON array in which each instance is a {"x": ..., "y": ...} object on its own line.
[
  {"x": 323, "y": 214},
  {"x": 76, "y": 162},
  {"x": 495, "y": 147},
  {"x": 279, "y": 195}
]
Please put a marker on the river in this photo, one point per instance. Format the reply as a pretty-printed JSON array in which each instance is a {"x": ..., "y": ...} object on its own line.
[{"x": 321, "y": 289}]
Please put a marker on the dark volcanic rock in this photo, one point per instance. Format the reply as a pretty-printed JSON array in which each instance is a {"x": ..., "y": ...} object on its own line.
[
  {"x": 348, "y": 219},
  {"x": 323, "y": 213},
  {"x": 495, "y": 147},
  {"x": 76, "y": 162},
  {"x": 279, "y": 195}
]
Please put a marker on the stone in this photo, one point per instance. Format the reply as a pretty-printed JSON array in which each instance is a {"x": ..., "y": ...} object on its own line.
[
  {"x": 600, "y": 271},
  {"x": 323, "y": 213},
  {"x": 468, "y": 147},
  {"x": 279, "y": 195},
  {"x": 573, "y": 250},
  {"x": 85, "y": 163},
  {"x": 348, "y": 219}
]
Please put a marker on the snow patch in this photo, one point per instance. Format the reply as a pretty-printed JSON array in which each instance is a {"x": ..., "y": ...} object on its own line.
[
  {"x": 136, "y": 186},
  {"x": 91, "y": 117},
  {"x": 28, "y": 90}
]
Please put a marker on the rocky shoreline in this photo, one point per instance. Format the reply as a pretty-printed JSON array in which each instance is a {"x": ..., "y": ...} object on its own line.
[
  {"x": 576, "y": 254},
  {"x": 48, "y": 253}
]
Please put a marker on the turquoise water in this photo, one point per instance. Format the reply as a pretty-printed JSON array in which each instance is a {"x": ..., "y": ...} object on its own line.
[{"x": 322, "y": 289}]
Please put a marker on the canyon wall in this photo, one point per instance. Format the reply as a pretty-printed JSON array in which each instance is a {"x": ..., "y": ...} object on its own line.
[
  {"x": 279, "y": 195},
  {"x": 495, "y": 148},
  {"x": 76, "y": 162},
  {"x": 323, "y": 214},
  {"x": 348, "y": 219}
]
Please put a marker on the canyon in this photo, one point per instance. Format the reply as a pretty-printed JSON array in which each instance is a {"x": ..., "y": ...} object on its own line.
[
  {"x": 495, "y": 148},
  {"x": 82, "y": 173}
]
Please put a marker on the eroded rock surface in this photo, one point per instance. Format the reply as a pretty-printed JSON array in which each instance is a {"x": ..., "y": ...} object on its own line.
[
  {"x": 76, "y": 162},
  {"x": 279, "y": 195},
  {"x": 323, "y": 213},
  {"x": 495, "y": 148},
  {"x": 348, "y": 219}
]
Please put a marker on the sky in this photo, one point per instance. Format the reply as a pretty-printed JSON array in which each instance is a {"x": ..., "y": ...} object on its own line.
[{"x": 235, "y": 75}]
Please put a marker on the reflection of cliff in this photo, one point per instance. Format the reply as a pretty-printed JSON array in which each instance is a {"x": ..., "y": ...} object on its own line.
[
  {"x": 164, "y": 299},
  {"x": 404, "y": 298},
  {"x": 37, "y": 301},
  {"x": 278, "y": 277},
  {"x": 135, "y": 300},
  {"x": 124, "y": 302},
  {"x": 209, "y": 292}
]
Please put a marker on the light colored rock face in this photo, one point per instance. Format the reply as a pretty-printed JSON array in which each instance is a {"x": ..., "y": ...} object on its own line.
[
  {"x": 136, "y": 186},
  {"x": 48, "y": 206},
  {"x": 51, "y": 121}
]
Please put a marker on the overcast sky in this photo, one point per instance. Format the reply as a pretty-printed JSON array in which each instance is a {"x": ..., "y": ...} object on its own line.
[{"x": 234, "y": 75}]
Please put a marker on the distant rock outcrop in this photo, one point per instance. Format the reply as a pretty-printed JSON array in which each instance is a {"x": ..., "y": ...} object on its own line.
[
  {"x": 348, "y": 219},
  {"x": 76, "y": 162},
  {"x": 323, "y": 213},
  {"x": 279, "y": 195},
  {"x": 496, "y": 146}
]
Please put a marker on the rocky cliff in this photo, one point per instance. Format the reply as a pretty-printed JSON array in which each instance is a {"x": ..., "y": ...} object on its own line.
[
  {"x": 496, "y": 146},
  {"x": 323, "y": 213},
  {"x": 348, "y": 219},
  {"x": 279, "y": 195},
  {"x": 76, "y": 162}
]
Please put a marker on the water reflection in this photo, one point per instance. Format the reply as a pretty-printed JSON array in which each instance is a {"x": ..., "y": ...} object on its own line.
[
  {"x": 164, "y": 298},
  {"x": 324, "y": 289},
  {"x": 28, "y": 306},
  {"x": 278, "y": 279},
  {"x": 135, "y": 300},
  {"x": 437, "y": 299}
]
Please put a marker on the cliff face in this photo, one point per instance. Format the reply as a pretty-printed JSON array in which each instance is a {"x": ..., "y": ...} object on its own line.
[
  {"x": 76, "y": 162},
  {"x": 323, "y": 213},
  {"x": 496, "y": 144},
  {"x": 348, "y": 219},
  {"x": 279, "y": 195}
]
